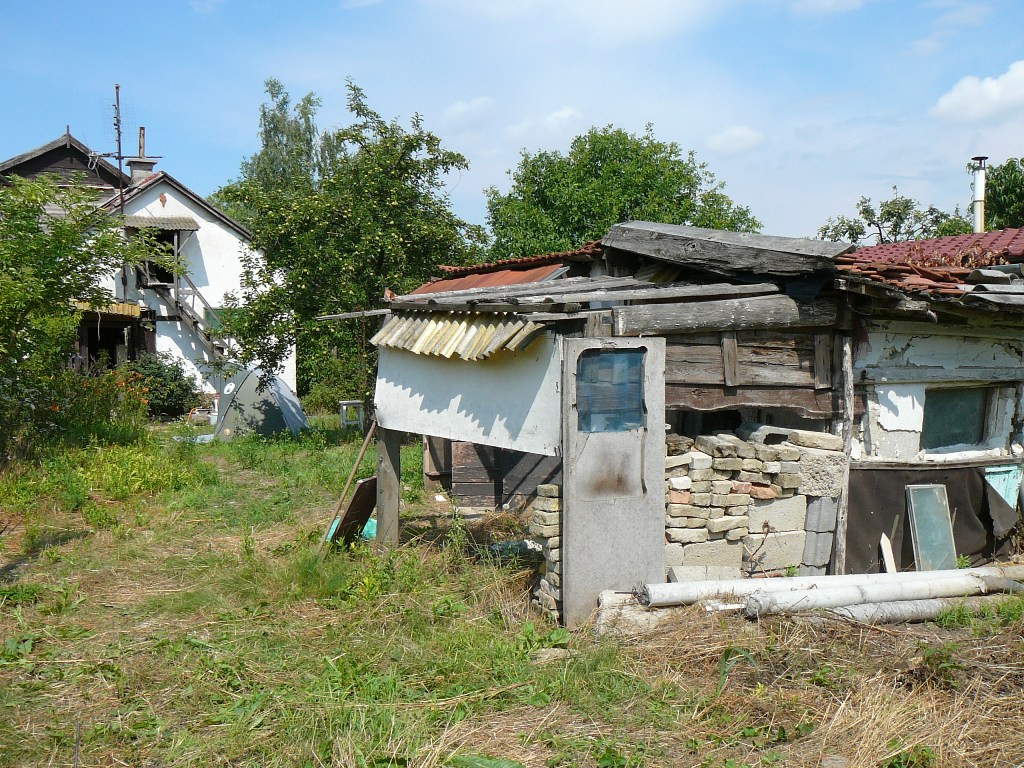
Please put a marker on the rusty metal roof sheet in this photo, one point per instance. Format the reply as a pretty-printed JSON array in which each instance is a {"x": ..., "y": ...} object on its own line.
[
  {"x": 492, "y": 279},
  {"x": 584, "y": 253},
  {"x": 469, "y": 336}
]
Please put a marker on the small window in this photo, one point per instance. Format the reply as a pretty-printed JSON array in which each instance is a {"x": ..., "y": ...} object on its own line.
[
  {"x": 610, "y": 390},
  {"x": 954, "y": 416}
]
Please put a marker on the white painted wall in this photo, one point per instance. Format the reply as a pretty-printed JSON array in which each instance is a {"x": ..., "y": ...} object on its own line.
[
  {"x": 511, "y": 400},
  {"x": 212, "y": 255},
  {"x": 902, "y": 361}
]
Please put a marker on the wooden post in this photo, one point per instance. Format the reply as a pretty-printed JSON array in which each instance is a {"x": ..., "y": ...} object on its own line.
[
  {"x": 846, "y": 368},
  {"x": 389, "y": 487}
]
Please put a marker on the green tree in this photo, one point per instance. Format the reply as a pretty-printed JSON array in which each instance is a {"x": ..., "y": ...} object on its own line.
[
  {"x": 891, "y": 221},
  {"x": 1004, "y": 193},
  {"x": 558, "y": 202},
  {"x": 338, "y": 217},
  {"x": 56, "y": 248}
]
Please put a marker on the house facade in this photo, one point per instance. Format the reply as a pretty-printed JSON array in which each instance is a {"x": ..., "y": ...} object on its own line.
[{"x": 155, "y": 310}]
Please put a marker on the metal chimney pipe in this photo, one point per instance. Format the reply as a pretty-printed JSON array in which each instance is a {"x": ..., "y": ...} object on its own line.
[{"x": 978, "y": 203}]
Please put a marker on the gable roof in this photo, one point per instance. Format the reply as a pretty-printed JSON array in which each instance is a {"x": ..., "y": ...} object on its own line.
[
  {"x": 26, "y": 160},
  {"x": 162, "y": 177}
]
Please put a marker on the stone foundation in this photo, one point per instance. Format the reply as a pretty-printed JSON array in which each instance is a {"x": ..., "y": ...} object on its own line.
[
  {"x": 546, "y": 529},
  {"x": 761, "y": 505}
]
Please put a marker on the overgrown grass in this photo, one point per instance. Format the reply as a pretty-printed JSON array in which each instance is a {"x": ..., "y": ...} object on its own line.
[{"x": 198, "y": 625}]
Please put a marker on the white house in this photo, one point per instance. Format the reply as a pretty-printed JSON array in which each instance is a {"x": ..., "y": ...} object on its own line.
[{"x": 155, "y": 310}]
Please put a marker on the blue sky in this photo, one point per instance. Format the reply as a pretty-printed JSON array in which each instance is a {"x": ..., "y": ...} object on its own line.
[{"x": 800, "y": 106}]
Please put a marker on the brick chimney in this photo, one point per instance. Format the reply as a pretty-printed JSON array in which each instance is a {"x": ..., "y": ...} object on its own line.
[{"x": 141, "y": 167}]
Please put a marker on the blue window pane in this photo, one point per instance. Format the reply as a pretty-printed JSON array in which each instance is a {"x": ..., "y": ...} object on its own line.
[{"x": 610, "y": 390}]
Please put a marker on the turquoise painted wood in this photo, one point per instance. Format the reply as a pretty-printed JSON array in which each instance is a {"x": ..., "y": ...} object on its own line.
[{"x": 1006, "y": 480}]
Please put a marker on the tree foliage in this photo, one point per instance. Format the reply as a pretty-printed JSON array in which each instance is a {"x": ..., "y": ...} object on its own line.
[
  {"x": 894, "y": 220},
  {"x": 1004, "y": 193},
  {"x": 337, "y": 217},
  {"x": 56, "y": 248},
  {"x": 557, "y": 202}
]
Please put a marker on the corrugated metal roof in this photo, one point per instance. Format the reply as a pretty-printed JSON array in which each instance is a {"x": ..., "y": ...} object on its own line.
[
  {"x": 186, "y": 223},
  {"x": 469, "y": 336},
  {"x": 491, "y": 279}
]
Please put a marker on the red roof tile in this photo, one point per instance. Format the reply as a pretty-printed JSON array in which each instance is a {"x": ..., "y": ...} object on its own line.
[
  {"x": 936, "y": 266},
  {"x": 491, "y": 279},
  {"x": 588, "y": 250}
]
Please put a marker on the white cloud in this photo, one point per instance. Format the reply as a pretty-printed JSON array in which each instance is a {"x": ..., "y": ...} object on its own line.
[
  {"x": 461, "y": 110},
  {"x": 562, "y": 117},
  {"x": 949, "y": 24},
  {"x": 735, "y": 140},
  {"x": 554, "y": 125},
  {"x": 974, "y": 99}
]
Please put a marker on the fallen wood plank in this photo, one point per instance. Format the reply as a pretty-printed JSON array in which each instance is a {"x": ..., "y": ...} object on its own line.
[{"x": 813, "y": 404}]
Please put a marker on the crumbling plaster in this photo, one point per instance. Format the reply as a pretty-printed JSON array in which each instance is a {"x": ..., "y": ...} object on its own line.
[{"x": 891, "y": 426}]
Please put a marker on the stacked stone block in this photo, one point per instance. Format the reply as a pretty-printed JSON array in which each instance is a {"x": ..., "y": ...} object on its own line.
[
  {"x": 743, "y": 505},
  {"x": 546, "y": 529}
]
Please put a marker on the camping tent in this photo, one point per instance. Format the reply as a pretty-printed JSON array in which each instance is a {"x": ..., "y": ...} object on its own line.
[{"x": 245, "y": 406}]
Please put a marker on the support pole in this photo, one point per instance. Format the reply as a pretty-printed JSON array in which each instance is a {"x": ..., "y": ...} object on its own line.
[
  {"x": 389, "y": 487},
  {"x": 842, "y": 514}
]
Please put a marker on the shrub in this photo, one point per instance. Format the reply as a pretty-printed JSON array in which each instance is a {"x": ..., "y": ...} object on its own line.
[{"x": 172, "y": 391}]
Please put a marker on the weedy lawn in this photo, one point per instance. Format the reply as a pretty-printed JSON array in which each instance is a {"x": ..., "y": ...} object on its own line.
[{"x": 163, "y": 604}]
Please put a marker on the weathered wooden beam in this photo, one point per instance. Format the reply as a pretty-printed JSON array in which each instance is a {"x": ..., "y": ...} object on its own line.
[
  {"x": 725, "y": 252},
  {"x": 810, "y": 403},
  {"x": 703, "y": 365},
  {"x": 389, "y": 487},
  {"x": 929, "y": 374},
  {"x": 846, "y": 408},
  {"x": 725, "y": 315},
  {"x": 730, "y": 359},
  {"x": 822, "y": 361}
]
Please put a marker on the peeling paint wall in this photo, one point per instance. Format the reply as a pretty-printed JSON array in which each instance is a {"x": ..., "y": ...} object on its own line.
[{"x": 896, "y": 364}]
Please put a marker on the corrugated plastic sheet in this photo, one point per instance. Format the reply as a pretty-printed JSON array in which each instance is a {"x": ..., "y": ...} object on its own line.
[{"x": 467, "y": 336}]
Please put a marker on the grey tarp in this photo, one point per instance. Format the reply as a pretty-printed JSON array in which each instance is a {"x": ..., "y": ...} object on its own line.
[{"x": 246, "y": 407}]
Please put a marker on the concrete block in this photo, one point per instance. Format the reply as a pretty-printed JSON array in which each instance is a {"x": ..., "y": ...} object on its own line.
[
  {"x": 686, "y": 510},
  {"x": 766, "y": 452},
  {"x": 823, "y": 472},
  {"x": 554, "y": 578},
  {"x": 719, "y": 499},
  {"x": 672, "y": 462},
  {"x": 546, "y": 600},
  {"x": 702, "y": 474},
  {"x": 722, "y": 474},
  {"x": 752, "y": 465},
  {"x": 545, "y": 530},
  {"x": 678, "y": 497},
  {"x": 721, "y": 552},
  {"x": 551, "y": 589},
  {"x": 739, "y": 487},
  {"x": 547, "y": 504},
  {"x": 684, "y": 522},
  {"x": 818, "y": 549},
  {"x": 680, "y": 483},
  {"x": 715, "y": 512},
  {"x": 554, "y": 542},
  {"x": 546, "y": 518},
  {"x": 807, "y": 439},
  {"x": 727, "y": 464},
  {"x": 687, "y": 536},
  {"x": 761, "y": 492},
  {"x": 789, "y": 480},
  {"x": 786, "y": 493},
  {"x": 703, "y": 573},
  {"x": 715, "y": 446},
  {"x": 788, "y": 452},
  {"x": 742, "y": 448},
  {"x": 737, "y": 499},
  {"x": 734, "y": 511},
  {"x": 750, "y": 477},
  {"x": 703, "y": 486},
  {"x": 700, "y": 499},
  {"x": 779, "y": 514},
  {"x": 735, "y": 534},
  {"x": 699, "y": 460},
  {"x": 789, "y": 467},
  {"x": 773, "y": 551},
  {"x": 726, "y": 523},
  {"x": 721, "y": 486},
  {"x": 821, "y": 514},
  {"x": 549, "y": 490},
  {"x": 810, "y": 570},
  {"x": 673, "y": 554},
  {"x": 761, "y": 433},
  {"x": 771, "y": 467},
  {"x": 553, "y": 555}
]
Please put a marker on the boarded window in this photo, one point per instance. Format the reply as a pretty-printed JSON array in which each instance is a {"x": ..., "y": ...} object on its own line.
[
  {"x": 610, "y": 390},
  {"x": 954, "y": 416}
]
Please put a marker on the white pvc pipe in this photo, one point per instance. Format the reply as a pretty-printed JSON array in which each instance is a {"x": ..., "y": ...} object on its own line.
[
  {"x": 689, "y": 592},
  {"x": 912, "y": 610},
  {"x": 767, "y": 603}
]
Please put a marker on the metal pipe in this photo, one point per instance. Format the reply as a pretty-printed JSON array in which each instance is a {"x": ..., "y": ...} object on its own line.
[
  {"x": 688, "y": 592},
  {"x": 978, "y": 203}
]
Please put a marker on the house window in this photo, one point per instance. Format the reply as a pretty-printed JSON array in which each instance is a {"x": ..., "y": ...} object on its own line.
[
  {"x": 955, "y": 416},
  {"x": 151, "y": 273},
  {"x": 610, "y": 390}
]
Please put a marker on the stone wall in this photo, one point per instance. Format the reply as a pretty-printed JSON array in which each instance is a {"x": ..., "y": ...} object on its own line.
[
  {"x": 765, "y": 504},
  {"x": 546, "y": 529}
]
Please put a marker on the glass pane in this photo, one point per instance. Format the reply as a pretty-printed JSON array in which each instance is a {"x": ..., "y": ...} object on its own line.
[
  {"x": 931, "y": 529},
  {"x": 954, "y": 417},
  {"x": 610, "y": 390}
]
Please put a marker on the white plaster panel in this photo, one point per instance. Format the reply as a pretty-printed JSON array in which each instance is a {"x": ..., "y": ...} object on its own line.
[
  {"x": 508, "y": 401},
  {"x": 901, "y": 407},
  {"x": 895, "y": 349}
]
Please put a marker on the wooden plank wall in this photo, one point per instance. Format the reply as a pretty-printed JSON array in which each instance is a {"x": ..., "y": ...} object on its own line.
[
  {"x": 790, "y": 370},
  {"x": 490, "y": 477}
]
